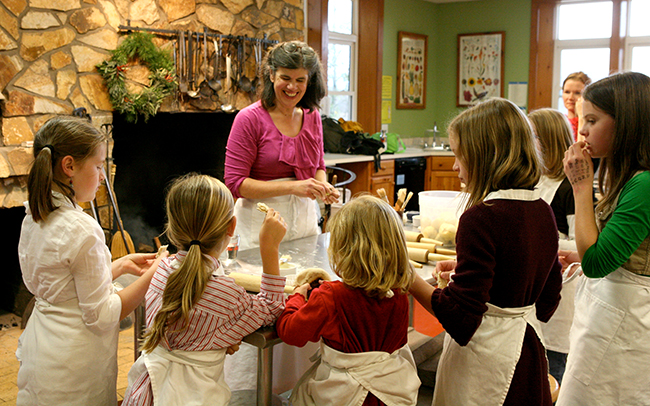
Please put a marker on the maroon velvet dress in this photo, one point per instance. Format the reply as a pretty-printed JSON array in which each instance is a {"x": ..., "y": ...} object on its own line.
[
  {"x": 507, "y": 256},
  {"x": 348, "y": 321}
]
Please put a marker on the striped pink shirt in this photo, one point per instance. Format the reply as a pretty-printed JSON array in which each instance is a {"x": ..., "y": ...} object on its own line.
[{"x": 222, "y": 317}]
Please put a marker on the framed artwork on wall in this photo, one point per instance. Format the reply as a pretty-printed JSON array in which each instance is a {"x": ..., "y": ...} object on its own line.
[
  {"x": 480, "y": 67},
  {"x": 411, "y": 70}
]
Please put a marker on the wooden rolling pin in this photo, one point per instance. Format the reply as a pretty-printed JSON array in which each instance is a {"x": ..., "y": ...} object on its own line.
[
  {"x": 413, "y": 236},
  {"x": 430, "y": 247},
  {"x": 438, "y": 257},
  {"x": 418, "y": 254},
  {"x": 416, "y": 264},
  {"x": 431, "y": 241},
  {"x": 252, "y": 283},
  {"x": 445, "y": 251}
]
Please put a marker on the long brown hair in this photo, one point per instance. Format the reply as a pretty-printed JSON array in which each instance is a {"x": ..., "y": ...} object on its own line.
[
  {"x": 368, "y": 247},
  {"x": 626, "y": 98},
  {"x": 555, "y": 136},
  {"x": 59, "y": 137},
  {"x": 496, "y": 145},
  {"x": 199, "y": 212}
]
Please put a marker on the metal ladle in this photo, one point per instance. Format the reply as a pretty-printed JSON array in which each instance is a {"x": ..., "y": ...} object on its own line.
[
  {"x": 215, "y": 82},
  {"x": 194, "y": 62},
  {"x": 244, "y": 82}
]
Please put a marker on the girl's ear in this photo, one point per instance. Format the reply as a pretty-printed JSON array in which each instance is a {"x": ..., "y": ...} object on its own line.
[
  {"x": 67, "y": 165},
  {"x": 232, "y": 226}
]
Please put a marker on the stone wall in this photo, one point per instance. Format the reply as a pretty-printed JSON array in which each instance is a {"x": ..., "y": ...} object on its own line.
[{"x": 49, "y": 49}]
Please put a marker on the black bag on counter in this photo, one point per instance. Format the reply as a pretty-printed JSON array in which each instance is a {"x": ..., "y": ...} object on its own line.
[
  {"x": 332, "y": 134},
  {"x": 338, "y": 141}
]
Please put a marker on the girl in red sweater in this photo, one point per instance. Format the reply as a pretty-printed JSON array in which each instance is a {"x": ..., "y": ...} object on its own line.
[{"x": 361, "y": 321}]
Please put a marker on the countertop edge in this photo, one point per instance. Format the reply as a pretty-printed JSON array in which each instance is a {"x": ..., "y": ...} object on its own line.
[{"x": 334, "y": 159}]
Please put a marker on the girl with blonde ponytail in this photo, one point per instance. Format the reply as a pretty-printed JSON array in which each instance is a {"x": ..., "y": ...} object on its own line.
[{"x": 195, "y": 314}]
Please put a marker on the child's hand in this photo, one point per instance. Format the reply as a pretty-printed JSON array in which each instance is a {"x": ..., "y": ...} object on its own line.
[
  {"x": 303, "y": 289},
  {"x": 578, "y": 166},
  {"x": 273, "y": 229},
  {"x": 135, "y": 264},
  {"x": 232, "y": 349},
  {"x": 445, "y": 270}
]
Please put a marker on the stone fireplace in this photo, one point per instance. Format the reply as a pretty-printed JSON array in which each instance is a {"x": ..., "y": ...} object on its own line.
[{"x": 48, "y": 53}]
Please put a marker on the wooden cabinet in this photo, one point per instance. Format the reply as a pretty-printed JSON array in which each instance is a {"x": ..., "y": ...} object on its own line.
[
  {"x": 440, "y": 174},
  {"x": 369, "y": 181}
]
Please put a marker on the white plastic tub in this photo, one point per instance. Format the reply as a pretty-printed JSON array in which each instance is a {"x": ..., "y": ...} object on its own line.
[{"x": 439, "y": 213}]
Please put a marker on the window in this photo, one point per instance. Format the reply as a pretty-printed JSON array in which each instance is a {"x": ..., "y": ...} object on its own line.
[
  {"x": 583, "y": 37},
  {"x": 342, "y": 58},
  {"x": 638, "y": 41}
]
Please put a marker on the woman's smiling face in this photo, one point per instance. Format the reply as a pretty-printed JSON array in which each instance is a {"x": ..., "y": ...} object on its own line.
[{"x": 289, "y": 85}]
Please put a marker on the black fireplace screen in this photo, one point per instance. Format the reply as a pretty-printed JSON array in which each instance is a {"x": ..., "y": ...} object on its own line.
[{"x": 149, "y": 155}]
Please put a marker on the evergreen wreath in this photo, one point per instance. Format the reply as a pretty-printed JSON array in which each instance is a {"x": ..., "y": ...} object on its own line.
[{"x": 163, "y": 77}]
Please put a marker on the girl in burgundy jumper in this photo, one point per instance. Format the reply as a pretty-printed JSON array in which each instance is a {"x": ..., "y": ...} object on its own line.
[
  {"x": 361, "y": 321},
  {"x": 507, "y": 275}
]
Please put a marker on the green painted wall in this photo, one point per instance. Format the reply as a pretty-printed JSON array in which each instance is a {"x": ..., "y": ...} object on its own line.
[{"x": 442, "y": 23}]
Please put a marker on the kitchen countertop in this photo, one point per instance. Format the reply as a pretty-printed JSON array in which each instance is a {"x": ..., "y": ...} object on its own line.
[
  {"x": 334, "y": 159},
  {"x": 309, "y": 252}
]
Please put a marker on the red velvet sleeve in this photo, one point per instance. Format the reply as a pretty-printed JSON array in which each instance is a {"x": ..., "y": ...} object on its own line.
[{"x": 303, "y": 321}]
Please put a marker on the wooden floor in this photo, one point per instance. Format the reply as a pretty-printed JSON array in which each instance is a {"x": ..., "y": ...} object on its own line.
[
  {"x": 10, "y": 331},
  {"x": 9, "y": 365}
]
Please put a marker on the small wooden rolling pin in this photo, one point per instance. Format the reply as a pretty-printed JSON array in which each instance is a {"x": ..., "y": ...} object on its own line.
[
  {"x": 418, "y": 254},
  {"x": 252, "y": 283},
  {"x": 431, "y": 248},
  {"x": 423, "y": 255},
  {"x": 413, "y": 236}
]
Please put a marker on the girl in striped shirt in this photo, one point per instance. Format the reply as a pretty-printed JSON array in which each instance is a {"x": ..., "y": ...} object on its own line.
[{"x": 195, "y": 314}]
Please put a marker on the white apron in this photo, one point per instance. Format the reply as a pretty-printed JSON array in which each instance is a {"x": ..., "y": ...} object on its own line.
[
  {"x": 62, "y": 362},
  {"x": 339, "y": 378},
  {"x": 189, "y": 378},
  {"x": 300, "y": 213},
  {"x": 480, "y": 373},
  {"x": 609, "y": 361},
  {"x": 556, "y": 330}
]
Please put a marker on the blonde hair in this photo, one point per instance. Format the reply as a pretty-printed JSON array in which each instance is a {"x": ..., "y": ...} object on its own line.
[
  {"x": 199, "y": 212},
  {"x": 59, "y": 137},
  {"x": 496, "y": 145},
  {"x": 368, "y": 248},
  {"x": 555, "y": 136}
]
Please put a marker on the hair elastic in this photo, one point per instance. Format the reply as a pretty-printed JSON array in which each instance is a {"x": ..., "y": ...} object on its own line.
[
  {"x": 195, "y": 242},
  {"x": 50, "y": 147}
]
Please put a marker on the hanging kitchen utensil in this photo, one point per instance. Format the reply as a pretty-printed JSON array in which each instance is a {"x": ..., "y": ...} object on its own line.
[
  {"x": 190, "y": 62},
  {"x": 182, "y": 83},
  {"x": 257, "y": 46},
  {"x": 204, "y": 64},
  {"x": 215, "y": 82},
  {"x": 193, "y": 91},
  {"x": 244, "y": 82}
]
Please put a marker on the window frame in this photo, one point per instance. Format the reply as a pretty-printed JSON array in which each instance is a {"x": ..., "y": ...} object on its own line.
[
  {"x": 351, "y": 40},
  {"x": 543, "y": 63}
]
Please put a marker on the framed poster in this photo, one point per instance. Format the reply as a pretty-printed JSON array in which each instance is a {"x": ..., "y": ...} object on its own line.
[
  {"x": 411, "y": 70},
  {"x": 480, "y": 67}
]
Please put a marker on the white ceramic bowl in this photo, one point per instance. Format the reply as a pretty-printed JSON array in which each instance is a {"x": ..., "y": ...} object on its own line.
[{"x": 288, "y": 268}]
